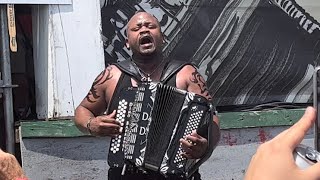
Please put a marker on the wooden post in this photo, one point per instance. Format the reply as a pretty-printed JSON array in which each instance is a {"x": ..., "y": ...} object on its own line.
[{"x": 12, "y": 27}]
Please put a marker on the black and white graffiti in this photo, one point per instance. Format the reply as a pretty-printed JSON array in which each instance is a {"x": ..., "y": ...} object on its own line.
[{"x": 250, "y": 52}]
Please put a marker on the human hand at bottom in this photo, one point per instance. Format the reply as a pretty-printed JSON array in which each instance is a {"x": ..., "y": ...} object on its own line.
[
  {"x": 274, "y": 159},
  {"x": 10, "y": 168}
]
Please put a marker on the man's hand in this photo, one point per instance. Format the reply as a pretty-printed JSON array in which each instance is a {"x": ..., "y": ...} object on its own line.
[
  {"x": 105, "y": 125},
  {"x": 274, "y": 159},
  {"x": 194, "y": 146},
  {"x": 9, "y": 167}
]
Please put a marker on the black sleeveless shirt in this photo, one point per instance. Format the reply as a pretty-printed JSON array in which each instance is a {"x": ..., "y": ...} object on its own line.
[{"x": 128, "y": 71}]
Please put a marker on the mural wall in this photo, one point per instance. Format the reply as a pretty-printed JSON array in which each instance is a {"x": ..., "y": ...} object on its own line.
[{"x": 253, "y": 53}]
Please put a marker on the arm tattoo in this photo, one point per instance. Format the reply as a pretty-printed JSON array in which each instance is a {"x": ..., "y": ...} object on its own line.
[
  {"x": 200, "y": 82},
  {"x": 104, "y": 76}
]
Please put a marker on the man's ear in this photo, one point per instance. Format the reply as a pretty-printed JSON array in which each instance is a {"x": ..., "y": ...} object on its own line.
[{"x": 127, "y": 44}]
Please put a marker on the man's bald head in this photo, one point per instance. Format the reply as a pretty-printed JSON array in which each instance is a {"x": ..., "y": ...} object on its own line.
[
  {"x": 144, "y": 36},
  {"x": 142, "y": 13}
]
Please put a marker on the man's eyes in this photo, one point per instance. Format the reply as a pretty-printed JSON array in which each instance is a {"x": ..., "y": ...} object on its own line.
[{"x": 148, "y": 26}]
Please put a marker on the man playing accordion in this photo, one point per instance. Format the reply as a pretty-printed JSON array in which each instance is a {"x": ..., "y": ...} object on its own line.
[{"x": 147, "y": 64}]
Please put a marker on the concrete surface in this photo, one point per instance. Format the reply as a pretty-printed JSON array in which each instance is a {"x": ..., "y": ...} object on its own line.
[{"x": 86, "y": 157}]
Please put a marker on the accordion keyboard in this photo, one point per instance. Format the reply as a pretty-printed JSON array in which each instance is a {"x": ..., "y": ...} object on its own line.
[
  {"x": 193, "y": 124},
  {"x": 121, "y": 113}
]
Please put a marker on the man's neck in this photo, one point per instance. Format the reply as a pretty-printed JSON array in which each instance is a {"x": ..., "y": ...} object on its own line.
[{"x": 148, "y": 63}]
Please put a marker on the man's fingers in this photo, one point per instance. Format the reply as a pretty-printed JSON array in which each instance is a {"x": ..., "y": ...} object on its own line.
[
  {"x": 195, "y": 134},
  {"x": 193, "y": 139},
  {"x": 110, "y": 131},
  {"x": 196, "y": 139},
  {"x": 186, "y": 147},
  {"x": 186, "y": 155},
  {"x": 107, "y": 119},
  {"x": 109, "y": 126},
  {"x": 113, "y": 114},
  {"x": 296, "y": 133},
  {"x": 185, "y": 143}
]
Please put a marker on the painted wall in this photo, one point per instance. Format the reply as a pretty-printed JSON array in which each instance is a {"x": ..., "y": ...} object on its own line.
[
  {"x": 69, "y": 55},
  {"x": 250, "y": 51}
]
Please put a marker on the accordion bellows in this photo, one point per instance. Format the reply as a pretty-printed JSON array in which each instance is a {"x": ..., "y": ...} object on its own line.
[{"x": 154, "y": 117}]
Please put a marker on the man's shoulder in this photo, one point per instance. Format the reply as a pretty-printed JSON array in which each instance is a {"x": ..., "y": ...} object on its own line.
[
  {"x": 186, "y": 72},
  {"x": 181, "y": 65},
  {"x": 174, "y": 67},
  {"x": 109, "y": 75},
  {"x": 113, "y": 69},
  {"x": 188, "y": 68},
  {"x": 127, "y": 67},
  {"x": 123, "y": 64}
]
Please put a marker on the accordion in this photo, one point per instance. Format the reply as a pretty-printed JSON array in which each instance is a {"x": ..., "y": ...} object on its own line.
[{"x": 154, "y": 117}]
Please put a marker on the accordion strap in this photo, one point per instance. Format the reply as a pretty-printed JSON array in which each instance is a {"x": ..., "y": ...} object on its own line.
[
  {"x": 171, "y": 68},
  {"x": 127, "y": 67}
]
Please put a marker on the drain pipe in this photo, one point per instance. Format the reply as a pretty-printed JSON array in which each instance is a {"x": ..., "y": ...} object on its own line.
[{"x": 6, "y": 85}]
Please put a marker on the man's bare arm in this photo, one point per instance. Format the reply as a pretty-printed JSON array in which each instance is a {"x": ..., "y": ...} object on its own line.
[
  {"x": 191, "y": 80},
  {"x": 198, "y": 85},
  {"x": 95, "y": 101}
]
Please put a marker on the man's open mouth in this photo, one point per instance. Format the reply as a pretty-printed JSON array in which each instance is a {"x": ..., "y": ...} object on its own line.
[{"x": 146, "y": 40}]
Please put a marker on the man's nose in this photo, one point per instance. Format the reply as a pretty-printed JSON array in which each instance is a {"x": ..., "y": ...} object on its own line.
[{"x": 144, "y": 30}]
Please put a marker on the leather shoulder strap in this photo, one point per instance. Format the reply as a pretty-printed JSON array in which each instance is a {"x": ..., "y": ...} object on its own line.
[
  {"x": 172, "y": 68},
  {"x": 127, "y": 67}
]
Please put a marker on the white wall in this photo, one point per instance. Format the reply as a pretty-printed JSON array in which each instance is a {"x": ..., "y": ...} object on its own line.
[{"x": 69, "y": 55}]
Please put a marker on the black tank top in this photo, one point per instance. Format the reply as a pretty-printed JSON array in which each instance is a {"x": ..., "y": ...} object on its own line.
[{"x": 128, "y": 71}]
